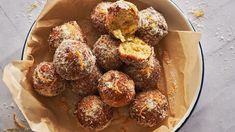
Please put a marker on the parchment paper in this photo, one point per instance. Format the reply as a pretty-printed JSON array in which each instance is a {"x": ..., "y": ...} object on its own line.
[{"x": 178, "y": 53}]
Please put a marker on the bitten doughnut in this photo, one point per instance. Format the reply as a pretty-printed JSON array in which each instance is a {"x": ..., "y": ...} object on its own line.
[
  {"x": 46, "y": 81},
  {"x": 145, "y": 77},
  {"x": 152, "y": 26},
  {"x": 73, "y": 60},
  {"x": 106, "y": 52},
  {"x": 149, "y": 108},
  {"x": 86, "y": 85},
  {"x": 116, "y": 88},
  {"x": 98, "y": 16},
  {"x": 122, "y": 19},
  {"x": 134, "y": 51},
  {"x": 70, "y": 30},
  {"x": 92, "y": 113}
]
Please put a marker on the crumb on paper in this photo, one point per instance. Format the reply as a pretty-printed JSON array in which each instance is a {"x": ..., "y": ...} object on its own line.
[
  {"x": 198, "y": 13},
  {"x": 33, "y": 6},
  {"x": 17, "y": 122},
  {"x": 172, "y": 89}
]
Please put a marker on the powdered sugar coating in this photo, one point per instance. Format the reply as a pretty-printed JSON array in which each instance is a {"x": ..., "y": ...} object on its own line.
[
  {"x": 152, "y": 26},
  {"x": 88, "y": 84},
  {"x": 106, "y": 52},
  {"x": 70, "y": 30},
  {"x": 146, "y": 76},
  {"x": 149, "y": 108},
  {"x": 98, "y": 16},
  {"x": 116, "y": 88},
  {"x": 46, "y": 81},
  {"x": 92, "y": 113},
  {"x": 73, "y": 60}
]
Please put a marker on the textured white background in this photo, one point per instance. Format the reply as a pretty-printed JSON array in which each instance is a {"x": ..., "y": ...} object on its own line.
[{"x": 215, "y": 111}]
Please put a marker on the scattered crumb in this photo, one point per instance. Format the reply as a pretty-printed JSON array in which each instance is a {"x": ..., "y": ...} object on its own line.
[
  {"x": 198, "y": 13},
  {"x": 17, "y": 122},
  {"x": 172, "y": 90},
  {"x": 33, "y": 6}
]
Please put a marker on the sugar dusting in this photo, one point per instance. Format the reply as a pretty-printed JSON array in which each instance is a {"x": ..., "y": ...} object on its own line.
[
  {"x": 66, "y": 32},
  {"x": 150, "y": 18},
  {"x": 150, "y": 104},
  {"x": 109, "y": 84},
  {"x": 123, "y": 5},
  {"x": 224, "y": 33},
  {"x": 92, "y": 112}
]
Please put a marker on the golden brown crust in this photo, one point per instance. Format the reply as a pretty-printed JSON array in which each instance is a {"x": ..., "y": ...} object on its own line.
[
  {"x": 70, "y": 30},
  {"x": 149, "y": 108},
  {"x": 46, "y": 81},
  {"x": 116, "y": 88},
  {"x": 145, "y": 77},
  {"x": 73, "y": 60},
  {"x": 98, "y": 16},
  {"x": 88, "y": 84},
  {"x": 106, "y": 52},
  {"x": 92, "y": 113}
]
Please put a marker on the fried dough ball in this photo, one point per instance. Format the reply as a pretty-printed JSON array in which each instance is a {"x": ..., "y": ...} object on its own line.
[
  {"x": 86, "y": 85},
  {"x": 116, "y": 88},
  {"x": 98, "y": 16},
  {"x": 46, "y": 81},
  {"x": 134, "y": 51},
  {"x": 149, "y": 108},
  {"x": 106, "y": 52},
  {"x": 147, "y": 76},
  {"x": 92, "y": 113},
  {"x": 70, "y": 30},
  {"x": 122, "y": 19},
  {"x": 152, "y": 26},
  {"x": 73, "y": 60}
]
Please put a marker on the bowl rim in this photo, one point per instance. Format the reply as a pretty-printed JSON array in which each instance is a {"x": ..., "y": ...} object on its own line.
[{"x": 194, "y": 102}]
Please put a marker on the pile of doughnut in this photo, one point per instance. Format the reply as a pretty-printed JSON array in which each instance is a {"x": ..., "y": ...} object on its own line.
[{"x": 120, "y": 70}]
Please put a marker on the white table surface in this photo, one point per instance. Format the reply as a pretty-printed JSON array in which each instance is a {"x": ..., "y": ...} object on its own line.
[{"x": 215, "y": 111}]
